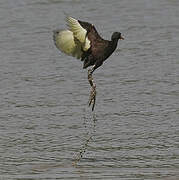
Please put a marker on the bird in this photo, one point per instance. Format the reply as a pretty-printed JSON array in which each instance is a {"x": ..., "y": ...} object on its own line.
[{"x": 82, "y": 41}]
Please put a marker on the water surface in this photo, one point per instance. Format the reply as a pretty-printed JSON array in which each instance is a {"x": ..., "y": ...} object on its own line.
[{"x": 45, "y": 122}]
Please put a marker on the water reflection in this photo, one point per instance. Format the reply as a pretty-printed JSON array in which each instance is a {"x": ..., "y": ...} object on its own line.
[
  {"x": 44, "y": 129},
  {"x": 89, "y": 122}
]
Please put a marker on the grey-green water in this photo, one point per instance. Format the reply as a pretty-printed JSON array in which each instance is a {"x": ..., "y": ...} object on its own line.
[{"x": 44, "y": 119}]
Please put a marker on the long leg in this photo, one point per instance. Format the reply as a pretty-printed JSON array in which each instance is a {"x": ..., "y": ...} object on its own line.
[{"x": 92, "y": 98}]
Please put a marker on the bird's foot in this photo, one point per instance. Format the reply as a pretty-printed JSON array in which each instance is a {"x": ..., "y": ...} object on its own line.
[{"x": 92, "y": 98}]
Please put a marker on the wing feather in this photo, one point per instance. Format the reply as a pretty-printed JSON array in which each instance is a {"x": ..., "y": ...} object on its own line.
[
  {"x": 65, "y": 42},
  {"x": 74, "y": 41},
  {"x": 79, "y": 32},
  {"x": 77, "y": 29}
]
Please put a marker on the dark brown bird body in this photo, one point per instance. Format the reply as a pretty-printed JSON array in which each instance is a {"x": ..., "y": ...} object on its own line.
[
  {"x": 85, "y": 43},
  {"x": 99, "y": 50}
]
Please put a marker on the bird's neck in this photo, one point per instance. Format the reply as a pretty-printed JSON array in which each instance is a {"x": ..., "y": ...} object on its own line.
[
  {"x": 114, "y": 44},
  {"x": 115, "y": 41},
  {"x": 111, "y": 48}
]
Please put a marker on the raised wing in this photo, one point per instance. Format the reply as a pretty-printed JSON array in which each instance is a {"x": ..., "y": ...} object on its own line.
[
  {"x": 97, "y": 44},
  {"x": 65, "y": 42},
  {"x": 74, "y": 41},
  {"x": 91, "y": 30},
  {"x": 79, "y": 32}
]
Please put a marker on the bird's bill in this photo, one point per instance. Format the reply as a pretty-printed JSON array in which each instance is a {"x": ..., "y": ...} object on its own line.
[{"x": 121, "y": 38}]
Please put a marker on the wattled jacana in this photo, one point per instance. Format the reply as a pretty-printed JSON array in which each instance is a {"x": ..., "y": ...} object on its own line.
[{"x": 82, "y": 40}]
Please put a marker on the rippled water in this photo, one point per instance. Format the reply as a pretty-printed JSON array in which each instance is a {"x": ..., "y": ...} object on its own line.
[{"x": 45, "y": 122}]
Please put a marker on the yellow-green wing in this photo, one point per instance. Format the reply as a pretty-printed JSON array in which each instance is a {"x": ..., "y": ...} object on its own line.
[
  {"x": 66, "y": 42},
  {"x": 79, "y": 32}
]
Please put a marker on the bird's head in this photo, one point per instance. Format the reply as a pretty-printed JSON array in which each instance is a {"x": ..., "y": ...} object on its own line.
[{"x": 116, "y": 36}]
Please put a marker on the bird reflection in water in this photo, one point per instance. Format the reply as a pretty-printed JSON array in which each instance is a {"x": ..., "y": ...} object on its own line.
[{"x": 90, "y": 130}]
